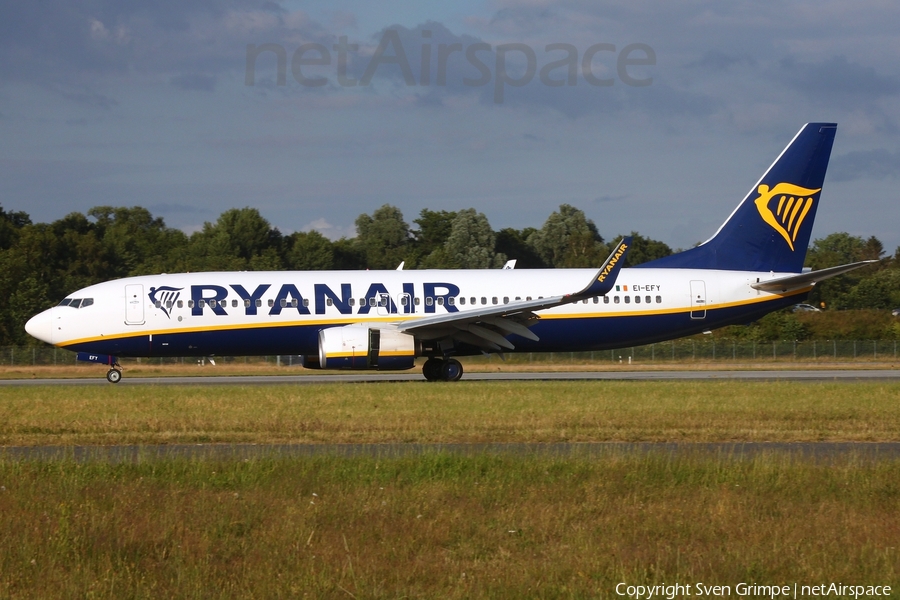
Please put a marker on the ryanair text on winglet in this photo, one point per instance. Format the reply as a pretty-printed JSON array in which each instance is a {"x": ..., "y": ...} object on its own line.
[{"x": 612, "y": 263}]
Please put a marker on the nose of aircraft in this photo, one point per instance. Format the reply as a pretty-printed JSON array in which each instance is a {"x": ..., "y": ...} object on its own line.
[{"x": 41, "y": 326}]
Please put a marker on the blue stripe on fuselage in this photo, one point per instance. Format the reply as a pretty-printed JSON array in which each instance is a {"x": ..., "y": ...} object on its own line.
[{"x": 566, "y": 334}]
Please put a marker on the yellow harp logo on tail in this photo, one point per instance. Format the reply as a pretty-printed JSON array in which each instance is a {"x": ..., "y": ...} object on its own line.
[{"x": 793, "y": 204}]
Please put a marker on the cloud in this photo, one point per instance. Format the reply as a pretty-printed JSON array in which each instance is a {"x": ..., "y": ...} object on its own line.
[
  {"x": 837, "y": 76},
  {"x": 332, "y": 232},
  {"x": 865, "y": 164},
  {"x": 194, "y": 82},
  {"x": 61, "y": 41},
  {"x": 720, "y": 61}
]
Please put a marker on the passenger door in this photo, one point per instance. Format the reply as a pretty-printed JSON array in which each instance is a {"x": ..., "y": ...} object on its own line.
[{"x": 134, "y": 304}]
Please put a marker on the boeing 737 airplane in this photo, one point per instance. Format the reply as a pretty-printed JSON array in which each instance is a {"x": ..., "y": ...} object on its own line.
[{"x": 387, "y": 319}]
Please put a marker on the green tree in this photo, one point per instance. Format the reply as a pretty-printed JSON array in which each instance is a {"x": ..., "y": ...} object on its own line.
[
  {"x": 309, "y": 251},
  {"x": 136, "y": 242},
  {"x": 434, "y": 229},
  {"x": 471, "y": 243},
  {"x": 383, "y": 238},
  {"x": 838, "y": 249},
  {"x": 10, "y": 224},
  {"x": 644, "y": 249},
  {"x": 514, "y": 244},
  {"x": 569, "y": 239},
  {"x": 240, "y": 240}
]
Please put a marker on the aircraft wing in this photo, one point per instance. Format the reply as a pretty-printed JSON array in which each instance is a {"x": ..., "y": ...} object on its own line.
[
  {"x": 487, "y": 327},
  {"x": 802, "y": 280}
]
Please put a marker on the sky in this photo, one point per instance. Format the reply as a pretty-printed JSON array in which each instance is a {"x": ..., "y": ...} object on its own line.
[{"x": 656, "y": 117}]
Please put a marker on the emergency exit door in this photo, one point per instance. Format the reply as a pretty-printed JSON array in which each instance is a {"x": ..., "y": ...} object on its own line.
[{"x": 698, "y": 299}]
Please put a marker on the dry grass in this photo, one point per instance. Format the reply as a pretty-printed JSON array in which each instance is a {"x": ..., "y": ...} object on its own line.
[
  {"x": 513, "y": 364},
  {"x": 441, "y": 526},
  {"x": 541, "y": 411}
]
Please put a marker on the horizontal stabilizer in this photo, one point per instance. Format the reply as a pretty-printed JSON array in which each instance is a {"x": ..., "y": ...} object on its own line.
[{"x": 796, "y": 282}]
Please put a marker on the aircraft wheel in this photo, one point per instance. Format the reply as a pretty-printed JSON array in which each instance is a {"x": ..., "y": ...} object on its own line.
[
  {"x": 432, "y": 369},
  {"x": 451, "y": 370},
  {"x": 114, "y": 376}
]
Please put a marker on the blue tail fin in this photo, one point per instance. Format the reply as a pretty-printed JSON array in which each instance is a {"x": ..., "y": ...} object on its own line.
[{"x": 770, "y": 228}]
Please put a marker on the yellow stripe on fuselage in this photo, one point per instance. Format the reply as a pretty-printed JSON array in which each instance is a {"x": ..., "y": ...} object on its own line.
[{"x": 399, "y": 318}]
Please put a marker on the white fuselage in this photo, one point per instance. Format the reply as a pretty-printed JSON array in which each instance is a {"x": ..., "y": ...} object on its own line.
[{"x": 237, "y": 313}]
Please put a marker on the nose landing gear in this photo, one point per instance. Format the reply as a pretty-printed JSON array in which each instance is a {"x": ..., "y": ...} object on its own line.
[
  {"x": 437, "y": 369},
  {"x": 114, "y": 376}
]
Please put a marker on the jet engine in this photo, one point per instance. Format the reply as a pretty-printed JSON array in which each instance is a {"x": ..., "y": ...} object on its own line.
[{"x": 361, "y": 347}]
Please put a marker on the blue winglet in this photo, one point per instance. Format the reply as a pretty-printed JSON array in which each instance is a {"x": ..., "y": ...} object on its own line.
[{"x": 605, "y": 278}]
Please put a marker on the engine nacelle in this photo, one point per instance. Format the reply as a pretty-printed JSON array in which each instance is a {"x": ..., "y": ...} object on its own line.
[{"x": 360, "y": 347}]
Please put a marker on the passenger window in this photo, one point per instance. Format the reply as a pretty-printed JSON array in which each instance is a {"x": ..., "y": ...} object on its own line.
[
  {"x": 440, "y": 301},
  {"x": 234, "y": 303},
  {"x": 190, "y": 303},
  {"x": 417, "y": 301},
  {"x": 647, "y": 299},
  {"x": 462, "y": 300},
  {"x": 494, "y": 300},
  {"x": 305, "y": 302},
  {"x": 483, "y": 300},
  {"x": 605, "y": 299},
  {"x": 283, "y": 302},
  {"x": 451, "y": 300},
  {"x": 472, "y": 299},
  {"x": 372, "y": 302},
  {"x": 659, "y": 299},
  {"x": 585, "y": 301},
  {"x": 627, "y": 299},
  {"x": 201, "y": 303},
  {"x": 528, "y": 298},
  {"x": 247, "y": 303},
  {"x": 362, "y": 301},
  {"x": 615, "y": 299},
  {"x": 404, "y": 300},
  {"x": 157, "y": 304},
  {"x": 429, "y": 301},
  {"x": 352, "y": 301},
  {"x": 505, "y": 299},
  {"x": 258, "y": 302},
  {"x": 294, "y": 303},
  {"x": 329, "y": 302},
  {"x": 272, "y": 303},
  {"x": 181, "y": 303},
  {"x": 596, "y": 300},
  {"x": 212, "y": 303},
  {"x": 637, "y": 299},
  {"x": 518, "y": 298}
]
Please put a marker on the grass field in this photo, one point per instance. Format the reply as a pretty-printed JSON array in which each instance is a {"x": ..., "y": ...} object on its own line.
[
  {"x": 462, "y": 412},
  {"x": 439, "y": 525}
]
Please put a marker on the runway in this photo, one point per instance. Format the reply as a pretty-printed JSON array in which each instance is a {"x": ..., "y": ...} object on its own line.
[
  {"x": 814, "y": 451},
  {"x": 843, "y": 375}
]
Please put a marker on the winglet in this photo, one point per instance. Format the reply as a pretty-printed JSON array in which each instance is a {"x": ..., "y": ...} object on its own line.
[{"x": 605, "y": 278}]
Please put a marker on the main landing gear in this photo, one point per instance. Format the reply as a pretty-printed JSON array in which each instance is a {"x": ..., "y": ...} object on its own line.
[
  {"x": 437, "y": 369},
  {"x": 114, "y": 375}
]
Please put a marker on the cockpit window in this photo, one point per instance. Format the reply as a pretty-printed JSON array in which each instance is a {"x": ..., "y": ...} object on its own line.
[{"x": 76, "y": 302}]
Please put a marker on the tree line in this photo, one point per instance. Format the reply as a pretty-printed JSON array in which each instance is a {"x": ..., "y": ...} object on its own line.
[{"x": 40, "y": 263}]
